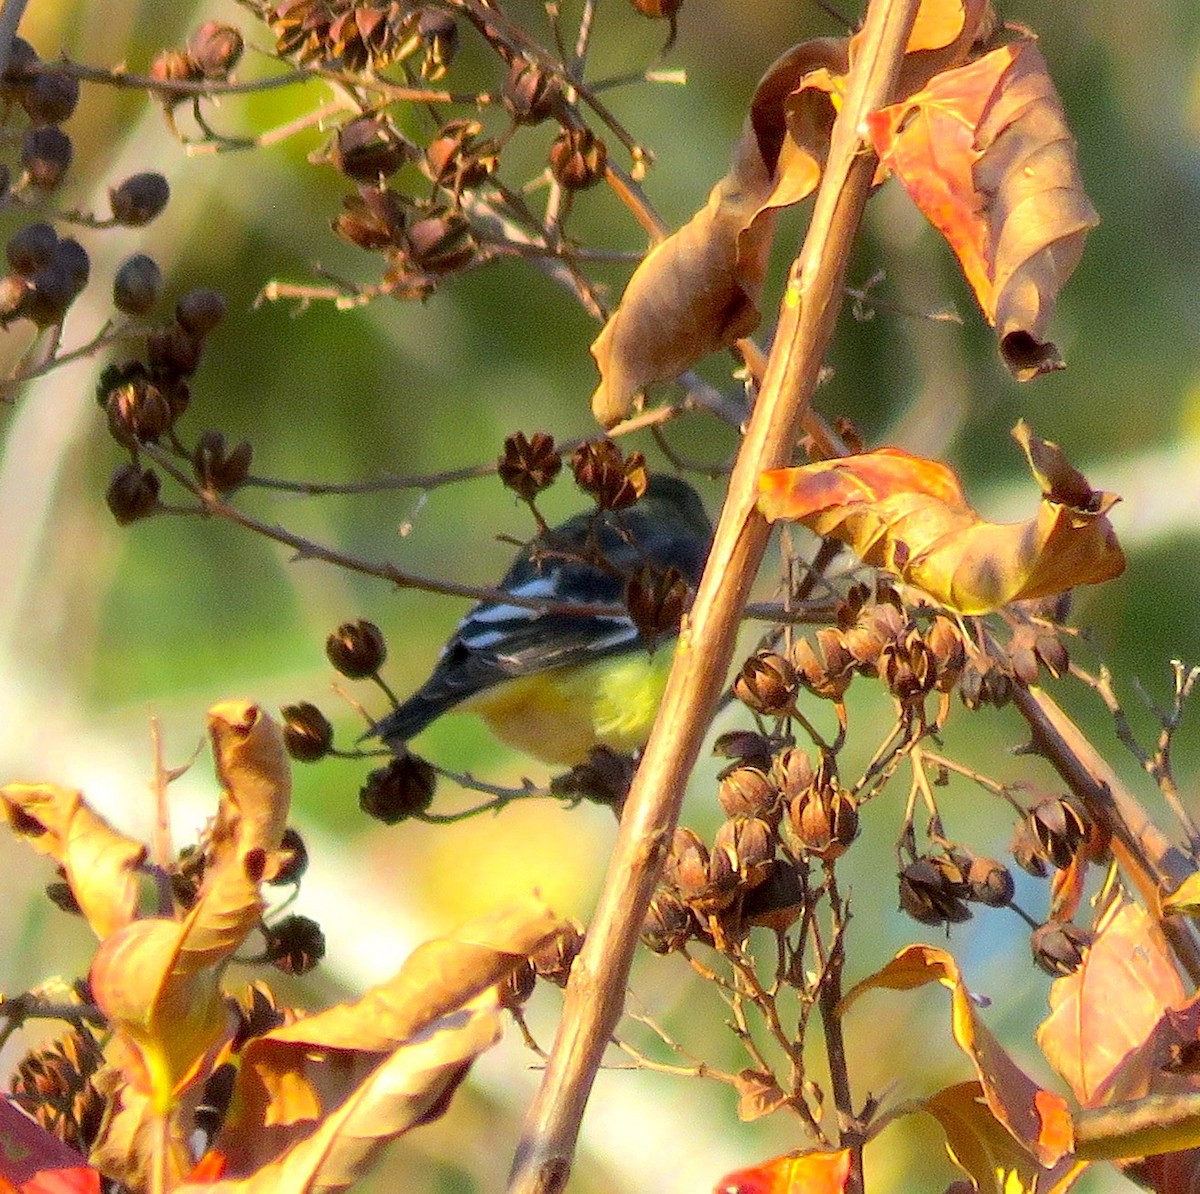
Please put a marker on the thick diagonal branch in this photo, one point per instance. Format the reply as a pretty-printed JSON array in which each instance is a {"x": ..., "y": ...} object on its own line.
[{"x": 595, "y": 994}]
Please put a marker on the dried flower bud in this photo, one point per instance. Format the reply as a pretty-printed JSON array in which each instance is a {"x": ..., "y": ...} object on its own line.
[
  {"x": 137, "y": 285},
  {"x": 669, "y": 924},
  {"x": 656, "y": 599},
  {"x": 604, "y": 778},
  {"x": 1059, "y": 827},
  {"x": 554, "y": 961},
  {"x": 72, "y": 258},
  {"x": 215, "y": 49},
  {"x": 527, "y": 466},
  {"x": 132, "y": 493},
  {"x": 931, "y": 896},
  {"x": 613, "y": 480},
  {"x": 767, "y": 684},
  {"x": 357, "y": 649},
  {"x": 368, "y": 149},
  {"x": 139, "y": 199},
  {"x": 824, "y": 667},
  {"x": 31, "y": 248},
  {"x": 989, "y": 882},
  {"x": 137, "y": 413},
  {"x": 218, "y": 468},
  {"x": 777, "y": 901},
  {"x": 46, "y": 154},
  {"x": 173, "y": 352},
  {"x": 199, "y": 311},
  {"x": 295, "y": 945},
  {"x": 441, "y": 243},
  {"x": 457, "y": 157},
  {"x": 578, "y": 158},
  {"x": 792, "y": 771},
  {"x": 531, "y": 93},
  {"x": 686, "y": 866},
  {"x": 747, "y": 792},
  {"x": 403, "y": 788},
  {"x": 292, "y": 856},
  {"x": 749, "y": 845},
  {"x": 50, "y": 97},
  {"x": 824, "y": 821},
  {"x": 1058, "y": 946},
  {"x": 307, "y": 732}
]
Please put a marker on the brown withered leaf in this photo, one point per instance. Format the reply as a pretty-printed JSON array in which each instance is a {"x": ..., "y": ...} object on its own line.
[
  {"x": 985, "y": 152},
  {"x": 292, "y": 1076},
  {"x": 1037, "y": 1119},
  {"x": 909, "y": 516},
  {"x": 758, "y": 1094},
  {"x": 981, "y": 1148},
  {"x": 409, "y": 1088},
  {"x": 101, "y": 864}
]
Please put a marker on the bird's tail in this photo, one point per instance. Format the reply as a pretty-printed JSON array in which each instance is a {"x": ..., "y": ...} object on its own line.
[{"x": 407, "y": 721}]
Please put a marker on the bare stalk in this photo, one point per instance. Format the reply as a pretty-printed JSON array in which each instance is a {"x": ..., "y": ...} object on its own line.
[{"x": 595, "y": 993}]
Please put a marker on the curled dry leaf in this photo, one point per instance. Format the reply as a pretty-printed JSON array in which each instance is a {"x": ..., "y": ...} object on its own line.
[
  {"x": 795, "y": 1173},
  {"x": 101, "y": 864},
  {"x": 1037, "y": 1119},
  {"x": 910, "y": 517},
  {"x": 985, "y": 152}
]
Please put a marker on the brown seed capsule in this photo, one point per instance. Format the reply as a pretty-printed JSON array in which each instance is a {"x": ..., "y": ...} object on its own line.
[
  {"x": 1059, "y": 827},
  {"x": 527, "y": 466},
  {"x": 293, "y": 859},
  {"x": 438, "y": 32},
  {"x": 603, "y": 778},
  {"x": 656, "y": 599},
  {"x": 458, "y": 157},
  {"x": 441, "y": 243},
  {"x": 46, "y": 154},
  {"x": 307, "y": 733},
  {"x": 767, "y": 684},
  {"x": 372, "y": 219},
  {"x": 746, "y": 791},
  {"x": 983, "y": 683},
  {"x": 1027, "y": 851},
  {"x": 824, "y": 821},
  {"x": 295, "y": 945},
  {"x": 1022, "y": 656},
  {"x": 669, "y": 923},
  {"x": 137, "y": 413},
  {"x": 749, "y": 844},
  {"x": 931, "y": 895},
  {"x": 368, "y": 149},
  {"x": 554, "y": 961},
  {"x": 17, "y": 75},
  {"x": 137, "y": 285},
  {"x": 613, "y": 480},
  {"x": 173, "y": 66},
  {"x": 945, "y": 643},
  {"x": 1052, "y": 652},
  {"x": 578, "y": 158},
  {"x": 215, "y": 49},
  {"x": 172, "y": 352},
  {"x": 218, "y": 468},
  {"x": 989, "y": 882},
  {"x": 199, "y": 311},
  {"x": 792, "y": 772},
  {"x": 132, "y": 493},
  {"x": 823, "y": 664},
  {"x": 139, "y": 199},
  {"x": 658, "y": 8},
  {"x": 403, "y": 788},
  {"x": 357, "y": 649},
  {"x": 1059, "y": 946},
  {"x": 31, "y": 248},
  {"x": 777, "y": 901},
  {"x": 686, "y": 865},
  {"x": 49, "y": 98},
  {"x": 50, "y": 292},
  {"x": 72, "y": 258},
  {"x": 531, "y": 93}
]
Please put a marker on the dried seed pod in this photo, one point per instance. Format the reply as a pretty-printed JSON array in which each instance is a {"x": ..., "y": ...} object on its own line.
[
  {"x": 215, "y": 49},
  {"x": 669, "y": 923},
  {"x": 931, "y": 895},
  {"x": 357, "y": 649},
  {"x": 218, "y": 468},
  {"x": 1059, "y": 827},
  {"x": 139, "y": 199},
  {"x": 686, "y": 865},
  {"x": 372, "y": 219},
  {"x": 368, "y": 149},
  {"x": 1059, "y": 946},
  {"x": 604, "y": 778},
  {"x": 31, "y": 248},
  {"x": 173, "y": 352},
  {"x": 656, "y": 599},
  {"x": 1022, "y": 655},
  {"x": 438, "y": 32},
  {"x": 989, "y": 882},
  {"x": 137, "y": 413},
  {"x": 49, "y": 292},
  {"x": 745, "y": 791},
  {"x": 824, "y": 820},
  {"x": 173, "y": 66},
  {"x": 295, "y": 945},
  {"x": 132, "y": 493},
  {"x": 307, "y": 732},
  {"x": 1027, "y": 851},
  {"x": 531, "y": 93},
  {"x": 792, "y": 772},
  {"x": 13, "y": 292},
  {"x": 527, "y": 466},
  {"x": 137, "y": 285},
  {"x": 442, "y": 242},
  {"x": 749, "y": 845},
  {"x": 777, "y": 901},
  {"x": 49, "y": 98},
  {"x": 293, "y": 859},
  {"x": 767, "y": 684},
  {"x": 945, "y": 643},
  {"x": 613, "y": 480},
  {"x": 199, "y": 311},
  {"x": 554, "y": 961},
  {"x": 823, "y": 664},
  {"x": 403, "y": 788},
  {"x": 458, "y": 157},
  {"x": 46, "y": 153},
  {"x": 578, "y": 158},
  {"x": 1052, "y": 652},
  {"x": 984, "y": 683}
]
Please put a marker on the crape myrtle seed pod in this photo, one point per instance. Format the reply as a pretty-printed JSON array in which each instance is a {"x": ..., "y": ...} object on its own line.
[
  {"x": 139, "y": 199},
  {"x": 13, "y": 290},
  {"x": 31, "y": 248},
  {"x": 218, "y": 467},
  {"x": 403, "y": 788},
  {"x": 614, "y": 481},
  {"x": 137, "y": 285},
  {"x": 368, "y": 149},
  {"x": 748, "y": 792},
  {"x": 215, "y": 49},
  {"x": 531, "y": 93},
  {"x": 294, "y": 859},
  {"x": 49, "y": 98},
  {"x": 132, "y": 493},
  {"x": 46, "y": 154},
  {"x": 669, "y": 924},
  {"x": 792, "y": 772},
  {"x": 295, "y": 945},
  {"x": 989, "y": 882},
  {"x": 173, "y": 352},
  {"x": 71, "y": 257},
  {"x": 527, "y": 466},
  {"x": 307, "y": 732},
  {"x": 357, "y": 649},
  {"x": 767, "y": 684},
  {"x": 603, "y": 778},
  {"x": 1059, "y": 946},
  {"x": 1059, "y": 828},
  {"x": 199, "y": 311},
  {"x": 578, "y": 158}
]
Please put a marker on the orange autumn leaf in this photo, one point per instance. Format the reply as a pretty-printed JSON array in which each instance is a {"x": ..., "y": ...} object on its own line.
[
  {"x": 1037, "y": 1119},
  {"x": 985, "y": 152},
  {"x": 910, "y": 517},
  {"x": 795, "y": 1173}
]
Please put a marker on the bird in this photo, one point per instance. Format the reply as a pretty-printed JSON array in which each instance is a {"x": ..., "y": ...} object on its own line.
[{"x": 554, "y": 684}]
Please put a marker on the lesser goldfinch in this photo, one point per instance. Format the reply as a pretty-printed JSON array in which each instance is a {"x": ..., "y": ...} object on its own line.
[{"x": 554, "y": 684}]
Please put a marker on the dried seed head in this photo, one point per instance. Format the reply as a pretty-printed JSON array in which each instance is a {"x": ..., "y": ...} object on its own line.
[
  {"x": 139, "y": 199},
  {"x": 656, "y": 599},
  {"x": 527, "y": 466},
  {"x": 50, "y": 292},
  {"x": 173, "y": 66},
  {"x": 823, "y": 664},
  {"x": 603, "y": 778},
  {"x": 554, "y": 961},
  {"x": 217, "y": 467},
  {"x": 1027, "y": 851},
  {"x": 442, "y": 242},
  {"x": 792, "y": 772},
  {"x": 686, "y": 866},
  {"x": 438, "y": 32},
  {"x": 372, "y": 219},
  {"x": 403, "y": 788},
  {"x": 1059, "y": 827},
  {"x": 989, "y": 882},
  {"x": 369, "y": 148},
  {"x": 824, "y": 821},
  {"x": 614, "y": 481},
  {"x": 669, "y": 924},
  {"x": 173, "y": 352},
  {"x": 931, "y": 895},
  {"x": 578, "y": 158},
  {"x": 199, "y": 311},
  {"x": 295, "y": 945},
  {"x": 49, "y": 98},
  {"x": 458, "y": 157},
  {"x": 132, "y": 493},
  {"x": 137, "y": 285},
  {"x": 307, "y": 733},
  {"x": 984, "y": 683},
  {"x": 357, "y": 649},
  {"x": 1059, "y": 946},
  {"x": 17, "y": 75},
  {"x": 137, "y": 413},
  {"x": 945, "y": 643},
  {"x": 531, "y": 93},
  {"x": 1052, "y": 652},
  {"x": 746, "y": 791},
  {"x": 1022, "y": 656},
  {"x": 749, "y": 845},
  {"x": 31, "y": 248},
  {"x": 215, "y": 49},
  {"x": 767, "y": 684},
  {"x": 46, "y": 153}
]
